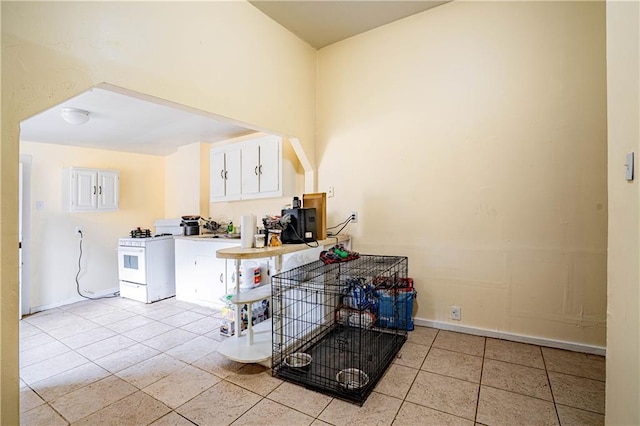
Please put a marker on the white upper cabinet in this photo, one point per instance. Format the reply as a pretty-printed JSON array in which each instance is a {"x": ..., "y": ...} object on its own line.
[
  {"x": 217, "y": 169},
  {"x": 90, "y": 189},
  {"x": 250, "y": 168},
  {"x": 259, "y": 164},
  {"x": 261, "y": 171},
  {"x": 84, "y": 190},
  {"x": 225, "y": 174},
  {"x": 108, "y": 190}
]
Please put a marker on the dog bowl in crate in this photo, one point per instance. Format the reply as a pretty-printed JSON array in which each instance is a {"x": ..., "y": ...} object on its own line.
[
  {"x": 299, "y": 361},
  {"x": 352, "y": 378}
]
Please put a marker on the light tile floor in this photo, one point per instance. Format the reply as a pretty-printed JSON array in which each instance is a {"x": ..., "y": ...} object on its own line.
[{"x": 120, "y": 362}]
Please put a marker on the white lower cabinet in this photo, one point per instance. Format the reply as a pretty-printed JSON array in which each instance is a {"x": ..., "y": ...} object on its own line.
[
  {"x": 201, "y": 278},
  {"x": 204, "y": 279},
  {"x": 211, "y": 273}
]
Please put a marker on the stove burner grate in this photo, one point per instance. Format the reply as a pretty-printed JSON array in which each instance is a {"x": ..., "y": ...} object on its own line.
[{"x": 140, "y": 233}]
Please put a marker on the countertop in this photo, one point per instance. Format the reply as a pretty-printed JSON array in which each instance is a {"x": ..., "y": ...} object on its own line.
[
  {"x": 233, "y": 238},
  {"x": 257, "y": 253}
]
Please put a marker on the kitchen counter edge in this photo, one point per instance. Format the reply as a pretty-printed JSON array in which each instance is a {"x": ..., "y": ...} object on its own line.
[
  {"x": 207, "y": 238},
  {"x": 257, "y": 253}
]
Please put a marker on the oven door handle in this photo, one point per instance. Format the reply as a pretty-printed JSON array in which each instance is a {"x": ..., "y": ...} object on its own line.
[{"x": 131, "y": 249}]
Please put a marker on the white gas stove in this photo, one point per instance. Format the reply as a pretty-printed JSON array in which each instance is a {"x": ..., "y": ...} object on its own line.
[{"x": 146, "y": 267}]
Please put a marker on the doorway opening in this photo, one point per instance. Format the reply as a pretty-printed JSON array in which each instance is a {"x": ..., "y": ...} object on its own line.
[{"x": 24, "y": 235}]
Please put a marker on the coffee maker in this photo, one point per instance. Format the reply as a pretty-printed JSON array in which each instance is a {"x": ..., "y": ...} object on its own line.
[
  {"x": 191, "y": 225},
  {"x": 301, "y": 226}
]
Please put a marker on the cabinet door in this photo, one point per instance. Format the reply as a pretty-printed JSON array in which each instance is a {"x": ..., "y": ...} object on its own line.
[
  {"x": 210, "y": 283},
  {"x": 108, "y": 190},
  {"x": 233, "y": 184},
  {"x": 84, "y": 190},
  {"x": 217, "y": 169},
  {"x": 269, "y": 169},
  {"x": 251, "y": 168},
  {"x": 185, "y": 265}
]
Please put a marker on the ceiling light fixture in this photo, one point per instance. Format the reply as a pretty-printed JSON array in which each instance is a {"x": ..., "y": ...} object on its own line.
[{"x": 75, "y": 116}]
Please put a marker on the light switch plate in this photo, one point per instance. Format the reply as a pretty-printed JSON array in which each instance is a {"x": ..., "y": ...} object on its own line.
[{"x": 629, "y": 166}]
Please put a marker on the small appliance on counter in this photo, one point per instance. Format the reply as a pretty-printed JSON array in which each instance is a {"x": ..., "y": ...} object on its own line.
[
  {"x": 191, "y": 225},
  {"x": 301, "y": 227}
]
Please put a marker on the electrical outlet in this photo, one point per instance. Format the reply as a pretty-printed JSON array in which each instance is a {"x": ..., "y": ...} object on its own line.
[
  {"x": 79, "y": 230},
  {"x": 330, "y": 192},
  {"x": 456, "y": 313},
  {"x": 354, "y": 217}
]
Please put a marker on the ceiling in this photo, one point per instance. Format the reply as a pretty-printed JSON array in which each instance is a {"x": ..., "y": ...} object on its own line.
[
  {"x": 324, "y": 22},
  {"x": 126, "y": 121}
]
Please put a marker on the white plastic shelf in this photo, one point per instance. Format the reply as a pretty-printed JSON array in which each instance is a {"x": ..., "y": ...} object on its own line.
[
  {"x": 253, "y": 295},
  {"x": 240, "y": 350},
  {"x": 255, "y": 343}
]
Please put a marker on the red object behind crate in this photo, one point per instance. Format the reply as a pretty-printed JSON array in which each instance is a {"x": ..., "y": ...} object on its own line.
[{"x": 406, "y": 283}]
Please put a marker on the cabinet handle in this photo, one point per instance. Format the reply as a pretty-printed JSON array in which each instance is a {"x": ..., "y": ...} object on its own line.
[
  {"x": 221, "y": 278},
  {"x": 225, "y": 175},
  {"x": 94, "y": 190},
  {"x": 256, "y": 170},
  {"x": 222, "y": 174},
  {"x": 260, "y": 169},
  {"x": 100, "y": 190}
]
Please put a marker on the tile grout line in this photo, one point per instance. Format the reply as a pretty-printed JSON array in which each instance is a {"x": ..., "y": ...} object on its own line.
[
  {"x": 553, "y": 397},
  {"x": 174, "y": 411},
  {"x": 251, "y": 407},
  {"x": 443, "y": 375},
  {"x": 520, "y": 394},
  {"x": 285, "y": 405},
  {"x": 419, "y": 369},
  {"x": 484, "y": 351},
  {"x": 404, "y": 399},
  {"x": 580, "y": 409}
]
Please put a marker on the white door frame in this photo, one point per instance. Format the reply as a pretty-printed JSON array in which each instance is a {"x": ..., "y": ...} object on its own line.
[{"x": 24, "y": 235}]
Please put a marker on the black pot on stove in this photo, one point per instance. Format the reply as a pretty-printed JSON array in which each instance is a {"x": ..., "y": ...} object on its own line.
[{"x": 191, "y": 225}]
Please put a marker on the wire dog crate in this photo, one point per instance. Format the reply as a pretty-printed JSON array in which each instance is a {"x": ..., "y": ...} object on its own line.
[{"x": 328, "y": 334}]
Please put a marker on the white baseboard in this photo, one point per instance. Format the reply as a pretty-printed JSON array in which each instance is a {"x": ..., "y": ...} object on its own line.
[
  {"x": 559, "y": 344},
  {"x": 74, "y": 299}
]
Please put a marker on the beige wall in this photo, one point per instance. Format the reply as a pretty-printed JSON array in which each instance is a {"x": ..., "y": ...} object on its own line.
[
  {"x": 54, "y": 245},
  {"x": 183, "y": 182},
  {"x": 472, "y": 138},
  {"x": 205, "y": 183},
  {"x": 222, "y": 57},
  {"x": 623, "y": 293}
]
